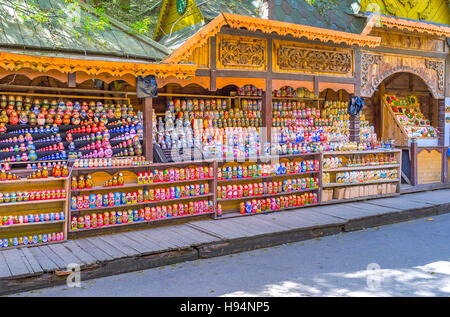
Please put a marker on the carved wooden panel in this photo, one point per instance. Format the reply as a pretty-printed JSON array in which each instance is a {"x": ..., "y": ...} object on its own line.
[
  {"x": 376, "y": 67},
  {"x": 241, "y": 52},
  {"x": 409, "y": 41},
  {"x": 291, "y": 57}
]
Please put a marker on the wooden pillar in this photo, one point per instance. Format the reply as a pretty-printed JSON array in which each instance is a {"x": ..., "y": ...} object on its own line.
[
  {"x": 357, "y": 74},
  {"x": 148, "y": 128},
  {"x": 212, "y": 62},
  {"x": 72, "y": 80},
  {"x": 354, "y": 128},
  {"x": 267, "y": 96},
  {"x": 413, "y": 160}
]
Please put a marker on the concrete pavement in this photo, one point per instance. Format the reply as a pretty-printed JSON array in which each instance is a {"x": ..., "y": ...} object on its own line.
[{"x": 404, "y": 259}]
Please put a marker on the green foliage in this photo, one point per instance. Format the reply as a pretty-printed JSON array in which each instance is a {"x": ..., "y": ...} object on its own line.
[{"x": 139, "y": 15}]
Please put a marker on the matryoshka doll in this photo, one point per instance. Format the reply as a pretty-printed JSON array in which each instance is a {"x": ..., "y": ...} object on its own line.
[
  {"x": 13, "y": 118},
  {"x": 81, "y": 182}
]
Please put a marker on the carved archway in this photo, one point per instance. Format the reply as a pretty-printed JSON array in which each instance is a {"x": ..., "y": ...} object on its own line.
[
  {"x": 404, "y": 69},
  {"x": 377, "y": 67}
]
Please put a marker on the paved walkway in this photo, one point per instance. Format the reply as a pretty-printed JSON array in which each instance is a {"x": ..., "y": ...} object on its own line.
[{"x": 137, "y": 250}]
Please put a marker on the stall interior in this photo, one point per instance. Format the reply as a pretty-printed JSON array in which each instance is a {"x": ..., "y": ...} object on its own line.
[{"x": 403, "y": 108}]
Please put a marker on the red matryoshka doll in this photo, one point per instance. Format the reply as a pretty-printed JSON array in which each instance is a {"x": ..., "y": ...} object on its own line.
[
  {"x": 49, "y": 119},
  {"x": 66, "y": 119},
  {"x": 40, "y": 119},
  {"x": 2, "y": 128},
  {"x": 58, "y": 119},
  {"x": 13, "y": 118},
  {"x": 76, "y": 118}
]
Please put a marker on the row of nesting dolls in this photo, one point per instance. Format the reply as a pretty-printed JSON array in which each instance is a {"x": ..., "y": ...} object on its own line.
[
  {"x": 30, "y": 240},
  {"x": 178, "y": 105},
  {"x": 216, "y": 114},
  {"x": 227, "y": 123},
  {"x": 20, "y": 103},
  {"x": 316, "y": 122},
  {"x": 67, "y": 117},
  {"x": 140, "y": 196},
  {"x": 85, "y": 181},
  {"x": 144, "y": 214}
]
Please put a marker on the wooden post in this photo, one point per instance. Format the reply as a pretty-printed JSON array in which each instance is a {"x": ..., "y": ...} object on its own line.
[
  {"x": 413, "y": 160},
  {"x": 213, "y": 63},
  {"x": 441, "y": 122},
  {"x": 267, "y": 95},
  {"x": 354, "y": 128},
  {"x": 148, "y": 128},
  {"x": 72, "y": 80}
]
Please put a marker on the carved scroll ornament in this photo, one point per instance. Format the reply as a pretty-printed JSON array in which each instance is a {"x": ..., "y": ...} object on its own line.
[
  {"x": 241, "y": 53},
  {"x": 366, "y": 61},
  {"x": 303, "y": 59},
  {"x": 438, "y": 66}
]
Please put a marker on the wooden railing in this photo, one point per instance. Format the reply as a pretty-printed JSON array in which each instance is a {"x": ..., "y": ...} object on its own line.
[{"x": 394, "y": 129}]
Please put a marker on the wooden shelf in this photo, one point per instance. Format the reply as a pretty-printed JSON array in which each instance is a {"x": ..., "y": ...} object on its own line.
[
  {"x": 298, "y": 98},
  {"x": 338, "y": 201},
  {"x": 33, "y": 202},
  {"x": 131, "y": 185},
  {"x": 142, "y": 222},
  {"x": 361, "y": 168},
  {"x": 36, "y": 180},
  {"x": 294, "y": 192},
  {"x": 360, "y": 152},
  {"x": 41, "y": 223},
  {"x": 93, "y": 169},
  {"x": 265, "y": 177},
  {"x": 127, "y": 206},
  {"x": 361, "y": 184},
  {"x": 238, "y": 214},
  {"x": 193, "y": 96},
  {"x": 247, "y": 97}
]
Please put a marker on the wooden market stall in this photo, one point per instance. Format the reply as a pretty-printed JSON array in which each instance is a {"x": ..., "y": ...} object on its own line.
[{"x": 250, "y": 117}]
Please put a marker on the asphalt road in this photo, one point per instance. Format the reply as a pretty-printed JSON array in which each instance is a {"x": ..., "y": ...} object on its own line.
[{"x": 405, "y": 259}]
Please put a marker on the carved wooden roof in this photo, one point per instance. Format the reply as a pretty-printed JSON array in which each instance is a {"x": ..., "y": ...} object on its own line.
[
  {"x": 415, "y": 26},
  {"x": 235, "y": 21},
  {"x": 14, "y": 62}
]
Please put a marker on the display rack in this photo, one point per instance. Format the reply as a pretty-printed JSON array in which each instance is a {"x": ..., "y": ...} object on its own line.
[
  {"x": 339, "y": 186},
  {"x": 231, "y": 204},
  {"x": 133, "y": 181},
  {"x": 43, "y": 217},
  {"x": 57, "y": 138},
  {"x": 406, "y": 121}
]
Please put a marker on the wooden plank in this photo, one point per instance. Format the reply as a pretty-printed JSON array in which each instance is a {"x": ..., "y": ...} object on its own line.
[
  {"x": 114, "y": 241},
  {"x": 140, "y": 243},
  {"x": 106, "y": 247},
  {"x": 93, "y": 250},
  {"x": 60, "y": 263},
  {"x": 184, "y": 238},
  {"x": 15, "y": 263},
  {"x": 34, "y": 264},
  {"x": 195, "y": 235},
  {"x": 150, "y": 239},
  {"x": 65, "y": 254},
  {"x": 170, "y": 237},
  {"x": 46, "y": 263},
  {"x": 4, "y": 269},
  {"x": 84, "y": 256},
  {"x": 246, "y": 227},
  {"x": 130, "y": 243},
  {"x": 218, "y": 228},
  {"x": 399, "y": 203}
]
